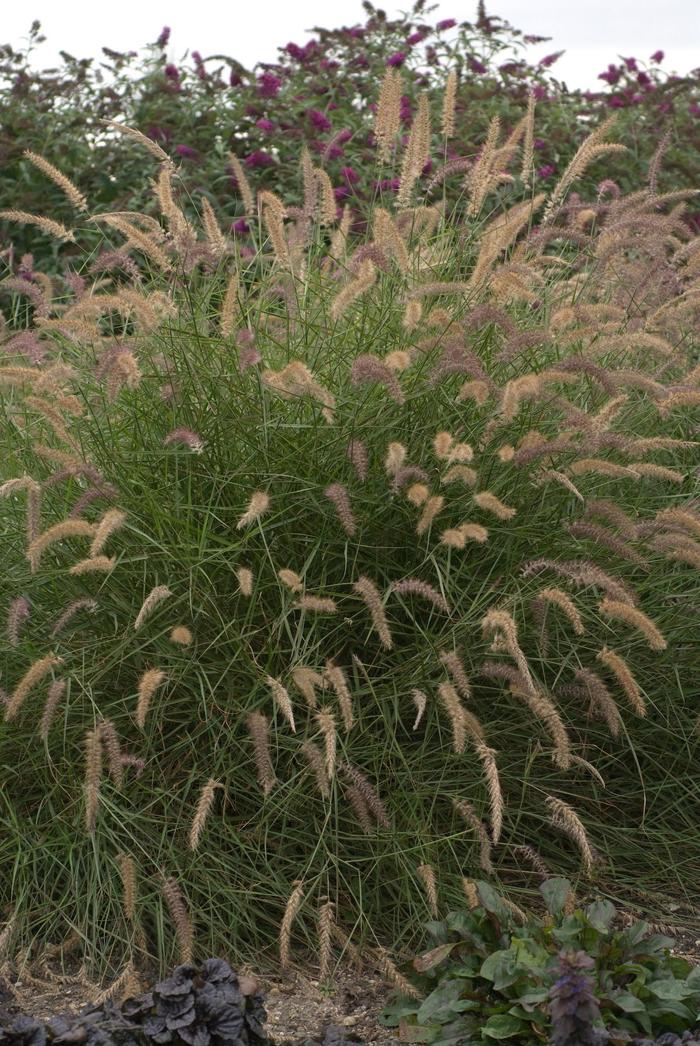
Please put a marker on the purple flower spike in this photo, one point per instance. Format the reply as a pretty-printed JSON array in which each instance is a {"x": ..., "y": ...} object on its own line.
[
  {"x": 658, "y": 56},
  {"x": 446, "y": 23},
  {"x": 162, "y": 40},
  {"x": 396, "y": 59}
]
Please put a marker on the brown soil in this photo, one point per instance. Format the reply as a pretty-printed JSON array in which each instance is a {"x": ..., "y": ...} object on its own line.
[{"x": 298, "y": 1007}]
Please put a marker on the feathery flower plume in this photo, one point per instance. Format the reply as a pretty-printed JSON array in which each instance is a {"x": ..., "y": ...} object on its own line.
[
  {"x": 559, "y": 598},
  {"x": 366, "y": 275},
  {"x": 531, "y": 857},
  {"x": 449, "y": 100},
  {"x": 648, "y": 468},
  {"x": 417, "y": 494},
  {"x": 471, "y": 893},
  {"x": 110, "y": 522},
  {"x": 583, "y": 572},
  {"x": 93, "y": 776},
  {"x": 540, "y": 706},
  {"x": 204, "y": 805},
  {"x": 476, "y": 390},
  {"x": 462, "y": 721},
  {"x": 259, "y": 503},
  {"x": 180, "y": 635},
  {"x": 178, "y": 914},
  {"x": 493, "y": 784},
  {"x": 127, "y": 871},
  {"x": 338, "y": 494},
  {"x": 326, "y": 724},
  {"x": 407, "y": 474},
  {"x": 273, "y": 219},
  {"x": 568, "y": 821},
  {"x": 149, "y": 682},
  {"x": 453, "y": 663},
  {"x": 282, "y": 701},
  {"x": 412, "y": 314},
  {"x": 500, "y": 623},
  {"x": 412, "y": 586},
  {"x": 682, "y": 518},
  {"x": 392, "y": 975},
  {"x": 608, "y": 510},
  {"x": 359, "y": 807},
  {"x": 212, "y": 230},
  {"x": 604, "y": 537},
  {"x": 51, "y": 228},
  {"x": 618, "y": 611},
  {"x": 317, "y": 604},
  {"x": 306, "y": 680},
  {"x": 244, "y": 576},
  {"x": 460, "y": 474},
  {"x": 17, "y": 614},
  {"x": 316, "y": 761},
  {"x": 592, "y": 147},
  {"x": 187, "y": 438},
  {"x": 420, "y": 700},
  {"x": 490, "y": 503},
  {"x": 369, "y": 592},
  {"x": 499, "y": 235},
  {"x": 155, "y": 596},
  {"x": 290, "y": 913},
  {"x": 387, "y": 120},
  {"x": 528, "y": 141},
  {"x": 143, "y": 241},
  {"x": 368, "y": 792},
  {"x": 426, "y": 873},
  {"x": 34, "y": 674},
  {"x": 65, "y": 184},
  {"x": 600, "y": 698},
  {"x": 433, "y": 506},
  {"x": 291, "y": 579},
  {"x": 357, "y": 453},
  {"x": 229, "y": 306},
  {"x": 417, "y": 152},
  {"x": 148, "y": 143},
  {"x": 69, "y": 528},
  {"x": 258, "y": 728},
  {"x": 297, "y": 380},
  {"x": 466, "y": 811},
  {"x": 368, "y": 368},
  {"x": 53, "y": 416},
  {"x": 389, "y": 239},
  {"x": 53, "y": 698},
  {"x": 558, "y": 477},
  {"x": 481, "y": 176},
  {"x": 93, "y": 565},
  {"x": 325, "y": 939},
  {"x": 336, "y": 677},
  {"x": 622, "y": 672},
  {"x": 110, "y": 741},
  {"x": 243, "y": 184},
  {"x": 395, "y": 458},
  {"x": 327, "y": 209}
]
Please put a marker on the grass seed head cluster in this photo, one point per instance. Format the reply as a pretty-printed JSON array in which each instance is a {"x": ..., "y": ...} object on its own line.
[{"x": 340, "y": 573}]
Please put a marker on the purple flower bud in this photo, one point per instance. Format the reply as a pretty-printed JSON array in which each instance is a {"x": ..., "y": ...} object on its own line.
[
  {"x": 539, "y": 92},
  {"x": 259, "y": 158},
  {"x": 264, "y": 124},
  {"x": 187, "y": 152},
  {"x": 476, "y": 66},
  {"x": 341, "y": 192},
  {"x": 319, "y": 119},
  {"x": 644, "y": 79},
  {"x": 357, "y": 32},
  {"x": 658, "y": 56},
  {"x": 414, "y": 38},
  {"x": 235, "y": 79},
  {"x": 269, "y": 85},
  {"x": 631, "y": 64},
  {"x": 162, "y": 40},
  {"x": 396, "y": 59},
  {"x": 172, "y": 72},
  {"x": 539, "y": 143},
  {"x": 446, "y": 23},
  {"x": 547, "y": 171},
  {"x": 616, "y": 101},
  {"x": 611, "y": 74},
  {"x": 350, "y": 175},
  {"x": 240, "y": 225},
  {"x": 295, "y": 51},
  {"x": 550, "y": 59}
]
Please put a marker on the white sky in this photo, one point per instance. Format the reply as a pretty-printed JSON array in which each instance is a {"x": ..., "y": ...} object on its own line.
[{"x": 593, "y": 32}]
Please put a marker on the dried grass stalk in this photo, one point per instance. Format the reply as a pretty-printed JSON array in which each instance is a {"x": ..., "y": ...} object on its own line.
[
  {"x": 149, "y": 682},
  {"x": 621, "y": 670},
  {"x": 466, "y": 811},
  {"x": 181, "y": 919},
  {"x": 619, "y": 611},
  {"x": 204, "y": 805},
  {"x": 34, "y": 674},
  {"x": 282, "y": 701},
  {"x": 568, "y": 821},
  {"x": 93, "y": 777},
  {"x": 427, "y": 875},
  {"x": 258, "y": 729},
  {"x": 369, "y": 592},
  {"x": 155, "y": 596},
  {"x": 290, "y": 913},
  {"x": 127, "y": 870}
]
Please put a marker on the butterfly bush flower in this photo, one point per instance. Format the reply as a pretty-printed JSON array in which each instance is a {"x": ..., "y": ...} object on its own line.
[
  {"x": 162, "y": 40},
  {"x": 547, "y": 171},
  {"x": 259, "y": 158},
  {"x": 187, "y": 438},
  {"x": 187, "y": 152},
  {"x": 396, "y": 59},
  {"x": 350, "y": 175},
  {"x": 241, "y": 225},
  {"x": 264, "y": 124},
  {"x": 319, "y": 120},
  {"x": 657, "y": 56},
  {"x": 235, "y": 79},
  {"x": 269, "y": 85},
  {"x": 550, "y": 59},
  {"x": 611, "y": 75},
  {"x": 476, "y": 66},
  {"x": 446, "y": 23}
]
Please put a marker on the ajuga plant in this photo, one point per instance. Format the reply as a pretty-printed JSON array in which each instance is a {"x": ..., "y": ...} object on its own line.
[
  {"x": 579, "y": 975},
  {"x": 320, "y": 94},
  {"x": 340, "y": 571}
]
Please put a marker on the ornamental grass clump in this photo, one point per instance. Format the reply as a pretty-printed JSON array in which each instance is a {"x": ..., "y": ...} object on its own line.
[{"x": 326, "y": 610}]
